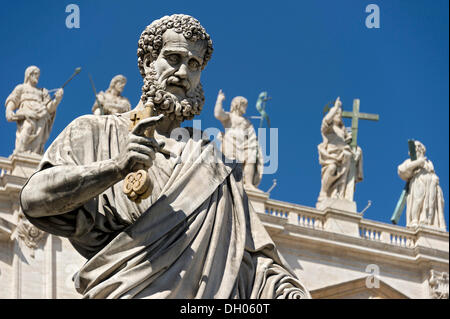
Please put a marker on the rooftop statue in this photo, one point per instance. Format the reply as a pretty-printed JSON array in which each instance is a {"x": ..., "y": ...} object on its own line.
[
  {"x": 239, "y": 142},
  {"x": 112, "y": 101},
  {"x": 341, "y": 157},
  {"x": 34, "y": 110},
  {"x": 424, "y": 200},
  {"x": 341, "y": 165}
]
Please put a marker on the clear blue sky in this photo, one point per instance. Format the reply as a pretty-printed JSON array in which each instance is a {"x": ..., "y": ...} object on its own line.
[{"x": 304, "y": 53}]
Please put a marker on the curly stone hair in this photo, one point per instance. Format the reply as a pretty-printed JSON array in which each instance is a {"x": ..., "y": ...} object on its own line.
[
  {"x": 151, "y": 38},
  {"x": 237, "y": 104}
]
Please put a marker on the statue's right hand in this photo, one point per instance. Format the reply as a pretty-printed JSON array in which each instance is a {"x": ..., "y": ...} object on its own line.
[
  {"x": 140, "y": 150},
  {"x": 338, "y": 102},
  {"x": 221, "y": 96},
  {"x": 19, "y": 115},
  {"x": 422, "y": 161}
]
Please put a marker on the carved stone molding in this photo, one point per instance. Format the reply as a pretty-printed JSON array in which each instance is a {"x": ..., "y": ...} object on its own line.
[
  {"x": 29, "y": 233},
  {"x": 438, "y": 284}
]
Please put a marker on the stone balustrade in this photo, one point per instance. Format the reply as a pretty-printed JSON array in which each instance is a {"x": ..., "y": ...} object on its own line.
[
  {"x": 394, "y": 235},
  {"x": 295, "y": 214},
  {"x": 5, "y": 166},
  {"x": 344, "y": 223}
]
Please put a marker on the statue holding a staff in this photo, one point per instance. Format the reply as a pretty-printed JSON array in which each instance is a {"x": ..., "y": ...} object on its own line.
[
  {"x": 34, "y": 110},
  {"x": 424, "y": 197}
]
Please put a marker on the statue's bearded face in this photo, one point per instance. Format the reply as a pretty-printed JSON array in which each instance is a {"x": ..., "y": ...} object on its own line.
[
  {"x": 120, "y": 85},
  {"x": 33, "y": 78},
  {"x": 172, "y": 80}
]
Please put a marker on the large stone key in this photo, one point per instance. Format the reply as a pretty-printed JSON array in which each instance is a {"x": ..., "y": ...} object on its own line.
[{"x": 137, "y": 185}]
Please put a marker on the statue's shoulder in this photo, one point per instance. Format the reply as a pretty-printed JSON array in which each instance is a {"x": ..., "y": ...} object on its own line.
[
  {"x": 124, "y": 99},
  {"x": 15, "y": 94},
  {"x": 19, "y": 88},
  {"x": 89, "y": 122},
  {"x": 239, "y": 120}
]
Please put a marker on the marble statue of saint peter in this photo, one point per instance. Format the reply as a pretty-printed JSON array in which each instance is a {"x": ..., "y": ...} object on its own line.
[{"x": 196, "y": 235}]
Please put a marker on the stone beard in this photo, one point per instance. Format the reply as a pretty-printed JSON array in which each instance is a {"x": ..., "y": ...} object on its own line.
[{"x": 155, "y": 96}]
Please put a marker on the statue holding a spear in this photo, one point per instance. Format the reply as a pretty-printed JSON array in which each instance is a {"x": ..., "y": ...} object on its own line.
[{"x": 34, "y": 110}]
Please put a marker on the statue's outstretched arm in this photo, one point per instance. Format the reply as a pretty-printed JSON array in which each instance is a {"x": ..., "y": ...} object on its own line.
[
  {"x": 330, "y": 115},
  {"x": 219, "y": 113},
  {"x": 61, "y": 189}
]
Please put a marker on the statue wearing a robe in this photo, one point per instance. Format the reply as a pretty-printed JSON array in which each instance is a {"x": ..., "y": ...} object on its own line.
[
  {"x": 34, "y": 113},
  {"x": 341, "y": 165},
  {"x": 425, "y": 201},
  {"x": 112, "y": 101},
  {"x": 239, "y": 142},
  {"x": 196, "y": 235}
]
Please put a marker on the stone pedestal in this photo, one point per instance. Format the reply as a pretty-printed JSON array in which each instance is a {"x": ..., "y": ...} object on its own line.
[
  {"x": 428, "y": 237},
  {"x": 257, "y": 198},
  {"x": 340, "y": 204},
  {"x": 338, "y": 221},
  {"x": 24, "y": 164}
]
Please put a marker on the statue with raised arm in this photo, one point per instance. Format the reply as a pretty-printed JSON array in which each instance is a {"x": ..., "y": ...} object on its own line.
[
  {"x": 239, "y": 142},
  {"x": 341, "y": 165},
  {"x": 33, "y": 110},
  {"x": 425, "y": 200},
  {"x": 194, "y": 234},
  {"x": 112, "y": 101}
]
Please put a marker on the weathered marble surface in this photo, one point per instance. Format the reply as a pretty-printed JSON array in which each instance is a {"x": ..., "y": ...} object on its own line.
[
  {"x": 196, "y": 236},
  {"x": 112, "y": 101},
  {"x": 239, "y": 142},
  {"x": 425, "y": 200},
  {"x": 33, "y": 110},
  {"x": 341, "y": 165}
]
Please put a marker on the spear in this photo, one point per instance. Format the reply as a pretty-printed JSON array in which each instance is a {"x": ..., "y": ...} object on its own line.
[
  {"x": 77, "y": 70},
  {"x": 95, "y": 92}
]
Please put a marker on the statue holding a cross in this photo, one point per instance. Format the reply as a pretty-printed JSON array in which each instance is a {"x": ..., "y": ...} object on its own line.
[{"x": 340, "y": 157}]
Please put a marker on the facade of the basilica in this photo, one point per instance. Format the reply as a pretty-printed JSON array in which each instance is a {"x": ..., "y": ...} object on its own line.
[{"x": 335, "y": 253}]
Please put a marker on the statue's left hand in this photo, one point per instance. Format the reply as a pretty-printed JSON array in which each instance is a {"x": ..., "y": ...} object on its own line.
[
  {"x": 348, "y": 137},
  {"x": 59, "y": 94}
]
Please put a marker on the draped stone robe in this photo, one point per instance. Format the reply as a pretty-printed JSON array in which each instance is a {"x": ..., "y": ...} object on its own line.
[
  {"x": 197, "y": 236},
  {"x": 334, "y": 151},
  {"x": 111, "y": 104},
  {"x": 240, "y": 142},
  {"x": 425, "y": 200},
  {"x": 33, "y": 131}
]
